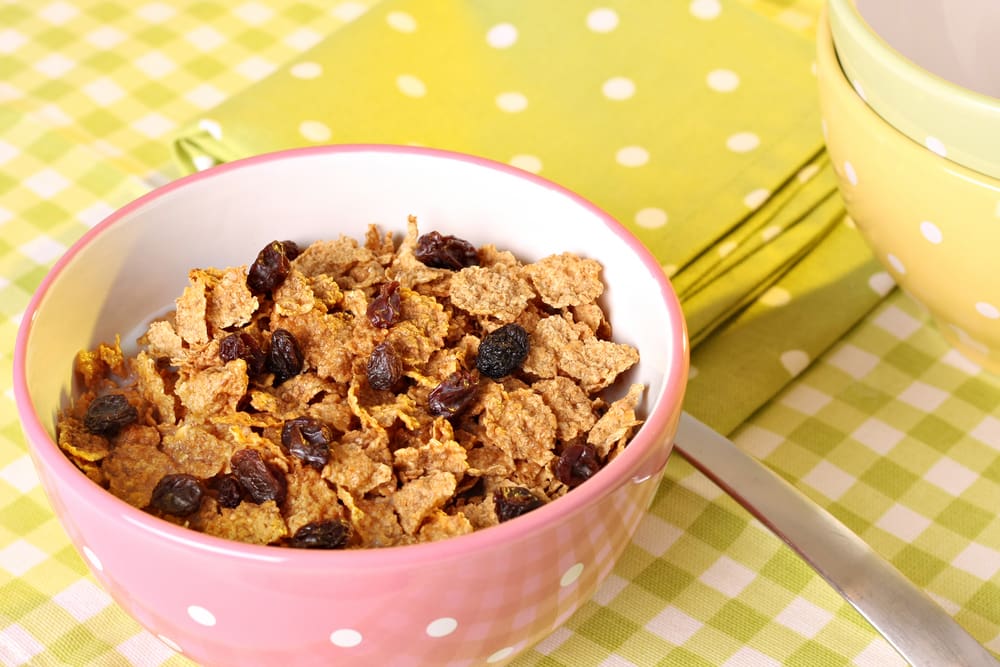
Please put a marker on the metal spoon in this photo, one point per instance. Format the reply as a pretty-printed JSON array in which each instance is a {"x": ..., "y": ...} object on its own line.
[{"x": 923, "y": 633}]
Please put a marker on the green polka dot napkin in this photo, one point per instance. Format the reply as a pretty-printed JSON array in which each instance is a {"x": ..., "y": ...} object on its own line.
[{"x": 695, "y": 124}]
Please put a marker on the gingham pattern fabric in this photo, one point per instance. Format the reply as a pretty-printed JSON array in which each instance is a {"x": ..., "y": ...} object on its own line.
[{"x": 890, "y": 430}]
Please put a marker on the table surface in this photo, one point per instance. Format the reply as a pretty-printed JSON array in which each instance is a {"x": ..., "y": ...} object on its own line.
[{"x": 893, "y": 432}]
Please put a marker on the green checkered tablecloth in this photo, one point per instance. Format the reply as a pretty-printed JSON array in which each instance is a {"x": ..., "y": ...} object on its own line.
[{"x": 894, "y": 433}]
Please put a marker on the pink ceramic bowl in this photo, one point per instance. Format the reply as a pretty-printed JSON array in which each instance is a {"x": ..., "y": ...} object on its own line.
[{"x": 476, "y": 599}]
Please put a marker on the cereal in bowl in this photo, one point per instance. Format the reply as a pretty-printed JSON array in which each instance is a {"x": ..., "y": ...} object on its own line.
[{"x": 359, "y": 394}]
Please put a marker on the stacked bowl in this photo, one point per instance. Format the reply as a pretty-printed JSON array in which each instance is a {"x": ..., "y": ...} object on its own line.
[{"x": 911, "y": 119}]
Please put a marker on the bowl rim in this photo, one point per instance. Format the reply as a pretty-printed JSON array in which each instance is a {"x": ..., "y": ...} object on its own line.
[
  {"x": 827, "y": 61},
  {"x": 630, "y": 464},
  {"x": 845, "y": 13}
]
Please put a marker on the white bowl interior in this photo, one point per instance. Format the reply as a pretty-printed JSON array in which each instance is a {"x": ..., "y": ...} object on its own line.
[
  {"x": 958, "y": 41},
  {"x": 135, "y": 267}
]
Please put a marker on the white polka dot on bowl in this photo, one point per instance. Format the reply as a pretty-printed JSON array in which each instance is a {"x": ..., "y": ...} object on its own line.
[
  {"x": 930, "y": 231},
  {"x": 500, "y": 655},
  {"x": 571, "y": 575},
  {"x": 988, "y": 310},
  {"x": 346, "y": 638},
  {"x": 441, "y": 627},
  {"x": 201, "y": 616},
  {"x": 794, "y": 361}
]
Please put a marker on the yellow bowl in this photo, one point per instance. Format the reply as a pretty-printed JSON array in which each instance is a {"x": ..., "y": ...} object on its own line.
[{"x": 934, "y": 224}]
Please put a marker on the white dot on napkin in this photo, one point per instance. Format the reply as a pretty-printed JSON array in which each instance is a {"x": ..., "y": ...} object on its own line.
[
  {"x": 530, "y": 163},
  {"x": 794, "y": 361},
  {"x": 512, "y": 102},
  {"x": 755, "y": 198},
  {"x": 651, "y": 217},
  {"x": 306, "y": 70},
  {"x": 314, "y": 130},
  {"x": 705, "y": 10},
  {"x": 502, "y": 36},
  {"x": 723, "y": 80},
  {"x": 410, "y": 85},
  {"x": 742, "y": 142},
  {"x": 602, "y": 20},
  {"x": 401, "y": 21},
  {"x": 775, "y": 296},
  {"x": 632, "y": 156},
  {"x": 618, "y": 88}
]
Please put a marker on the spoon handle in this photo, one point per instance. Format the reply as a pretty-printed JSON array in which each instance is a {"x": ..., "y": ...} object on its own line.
[{"x": 922, "y": 632}]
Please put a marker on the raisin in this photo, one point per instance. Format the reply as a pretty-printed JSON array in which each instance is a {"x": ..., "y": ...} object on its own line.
[
  {"x": 308, "y": 439},
  {"x": 284, "y": 359},
  {"x": 385, "y": 309},
  {"x": 385, "y": 368},
  {"x": 270, "y": 268},
  {"x": 453, "y": 394},
  {"x": 513, "y": 501},
  {"x": 177, "y": 495},
  {"x": 445, "y": 252},
  {"x": 577, "y": 464},
  {"x": 292, "y": 249},
  {"x": 502, "y": 351},
  {"x": 329, "y": 534},
  {"x": 228, "y": 491},
  {"x": 243, "y": 346},
  {"x": 260, "y": 482},
  {"x": 107, "y": 414}
]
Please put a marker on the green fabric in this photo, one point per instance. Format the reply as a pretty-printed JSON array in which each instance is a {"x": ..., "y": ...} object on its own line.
[{"x": 664, "y": 114}]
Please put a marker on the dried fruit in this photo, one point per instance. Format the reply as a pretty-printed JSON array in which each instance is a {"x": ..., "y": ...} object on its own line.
[
  {"x": 292, "y": 249},
  {"x": 178, "y": 494},
  {"x": 260, "y": 482},
  {"x": 445, "y": 252},
  {"x": 308, "y": 439},
  {"x": 502, "y": 351},
  {"x": 108, "y": 413},
  {"x": 270, "y": 268},
  {"x": 243, "y": 346},
  {"x": 453, "y": 394},
  {"x": 577, "y": 464},
  {"x": 385, "y": 368},
  {"x": 385, "y": 309},
  {"x": 284, "y": 359},
  {"x": 330, "y": 534},
  {"x": 229, "y": 492},
  {"x": 513, "y": 501}
]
